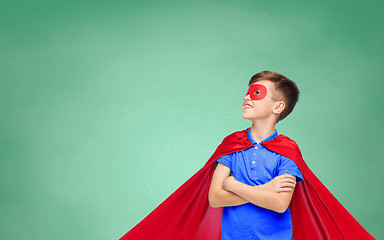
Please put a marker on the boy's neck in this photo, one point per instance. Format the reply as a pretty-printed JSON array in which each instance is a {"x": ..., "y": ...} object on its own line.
[{"x": 261, "y": 131}]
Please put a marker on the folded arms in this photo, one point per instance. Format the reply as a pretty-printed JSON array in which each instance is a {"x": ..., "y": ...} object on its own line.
[{"x": 226, "y": 191}]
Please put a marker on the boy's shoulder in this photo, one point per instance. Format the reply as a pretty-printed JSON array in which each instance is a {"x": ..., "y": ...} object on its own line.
[{"x": 281, "y": 138}]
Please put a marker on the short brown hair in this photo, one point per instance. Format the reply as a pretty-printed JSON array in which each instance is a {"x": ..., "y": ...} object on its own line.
[{"x": 284, "y": 85}]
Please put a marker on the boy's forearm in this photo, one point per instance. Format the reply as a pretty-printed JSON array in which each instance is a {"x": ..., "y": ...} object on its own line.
[
  {"x": 259, "y": 196},
  {"x": 225, "y": 198}
]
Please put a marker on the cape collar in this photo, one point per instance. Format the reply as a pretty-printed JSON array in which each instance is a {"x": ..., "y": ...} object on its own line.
[{"x": 270, "y": 137}]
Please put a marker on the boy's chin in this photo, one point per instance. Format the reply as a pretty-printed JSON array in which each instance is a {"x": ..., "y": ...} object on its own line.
[
  {"x": 248, "y": 117},
  {"x": 245, "y": 117}
]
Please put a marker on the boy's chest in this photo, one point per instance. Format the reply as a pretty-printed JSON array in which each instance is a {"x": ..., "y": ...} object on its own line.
[{"x": 255, "y": 166}]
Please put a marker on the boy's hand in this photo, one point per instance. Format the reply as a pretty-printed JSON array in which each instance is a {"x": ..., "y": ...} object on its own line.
[{"x": 282, "y": 183}]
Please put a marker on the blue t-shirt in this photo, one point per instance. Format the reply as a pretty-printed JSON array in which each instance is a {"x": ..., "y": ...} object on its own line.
[{"x": 255, "y": 166}]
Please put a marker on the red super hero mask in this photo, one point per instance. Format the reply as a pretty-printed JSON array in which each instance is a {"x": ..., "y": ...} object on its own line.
[{"x": 257, "y": 91}]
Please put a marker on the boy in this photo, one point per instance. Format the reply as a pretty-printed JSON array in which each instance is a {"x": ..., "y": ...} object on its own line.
[
  {"x": 241, "y": 179},
  {"x": 254, "y": 180}
]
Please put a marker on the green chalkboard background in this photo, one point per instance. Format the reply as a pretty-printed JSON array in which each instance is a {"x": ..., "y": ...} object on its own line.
[{"x": 107, "y": 107}]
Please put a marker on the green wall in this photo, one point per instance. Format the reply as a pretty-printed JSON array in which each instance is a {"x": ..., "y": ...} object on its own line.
[{"x": 108, "y": 106}]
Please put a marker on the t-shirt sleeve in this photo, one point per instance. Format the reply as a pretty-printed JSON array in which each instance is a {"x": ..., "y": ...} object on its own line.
[
  {"x": 226, "y": 160},
  {"x": 288, "y": 166}
]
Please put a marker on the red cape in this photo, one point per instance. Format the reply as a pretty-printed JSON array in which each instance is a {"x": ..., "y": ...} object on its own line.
[{"x": 186, "y": 213}]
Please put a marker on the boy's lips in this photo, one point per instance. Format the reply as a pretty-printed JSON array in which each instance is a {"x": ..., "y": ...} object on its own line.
[{"x": 246, "y": 106}]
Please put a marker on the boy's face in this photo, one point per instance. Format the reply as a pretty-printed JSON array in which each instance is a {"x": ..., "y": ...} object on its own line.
[{"x": 261, "y": 101}]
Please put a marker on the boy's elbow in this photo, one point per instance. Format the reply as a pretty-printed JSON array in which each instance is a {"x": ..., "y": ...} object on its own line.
[
  {"x": 213, "y": 201},
  {"x": 281, "y": 209},
  {"x": 214, "y": 204},
  {"x": 281, "y": 206}
]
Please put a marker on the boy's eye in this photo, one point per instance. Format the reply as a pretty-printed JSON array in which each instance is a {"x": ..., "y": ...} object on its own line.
[{"x": 257, "y": 92}]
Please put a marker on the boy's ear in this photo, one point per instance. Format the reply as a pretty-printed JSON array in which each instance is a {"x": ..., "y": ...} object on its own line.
[{"x": 279, "y": 107}]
